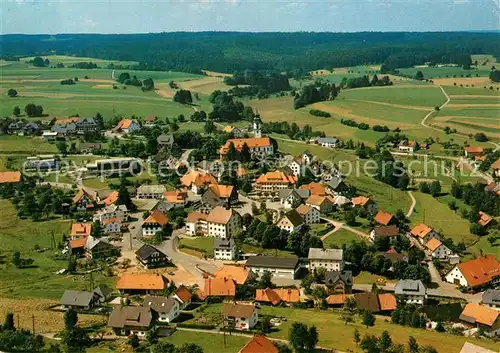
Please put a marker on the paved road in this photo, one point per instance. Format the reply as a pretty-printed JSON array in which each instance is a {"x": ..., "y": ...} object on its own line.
[{"x": 339, "y": 225}]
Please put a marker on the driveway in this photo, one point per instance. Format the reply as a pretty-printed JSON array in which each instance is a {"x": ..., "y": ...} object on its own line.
[{"x": 245, "y": 205}]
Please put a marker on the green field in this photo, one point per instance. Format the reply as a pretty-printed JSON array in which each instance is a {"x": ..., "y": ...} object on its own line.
[
  {"x": 435, "y": 72},
  {"x": 208, "y": 341},
  {"x": 200, "y": 243},
  {"x": 341, "y": 237},
  {"x": 10, "y": 144}
]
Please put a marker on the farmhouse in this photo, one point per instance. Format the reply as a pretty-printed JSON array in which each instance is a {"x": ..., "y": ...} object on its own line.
[
  {"x": 317, "y": 189},
  {"x": 482, "y": 317},
  {"x": 78, "y": 300},
  {"x": 112, "y": 225},
  {"x": 154, "y": 223},
  {"x": 238, "y": 274},
  {"x": 98, "y": 248},
  {"x": 336, "y": 185},
  {"x": 423, "y": 233},
  {"x": 360, "y": 201},
  {"x": 80, "y": 230},
  {"x": 150, "y": 121},
  {"x": 338, "y": 281},
  {"x": 278, "y": 266},
  {"x": 323, "y": 204},
  {"x": 390, "y": 232},
  {"x": 309, "y": 214},
  {"x": 471, "y": 152},
  {"x": 412, "y": 291},
  {"x": 224, "y": 249},
  {"x": 131, "y": 320},
  {"x": 196, "y": 223},
  {"x": 151, "y": 257},
  {"x": 485, "y": 219},
  {"x": 128, "y": 126},
  {"x": 112, "y": 211},
  {"x": 476, "y": 274},
  {"x": 277, "y": 296},
  {"x": 407, "y": 146},
  {"x": 491, "y": 298},
  {"x": 291, "y": 221},
  {"x": 220, "y": 287},
  {"x": 111, "y": 198},
  {"x": 291, "y": 198},
  {"x": 165, "y": 140},
  {"x": 272, "y": 182},
  {"x": 224, "y": 193},
  {"x": 223, "y": 222},
  {"x": 176, "y": 197},
  {"x": 440, "y": 251},
  {"x": 384, "y": 218},
  {"x": 495, "y": 168},
  {"x": 330, "y": 142},
  {"x": 258, "y": 146},
  {"x": 239, "y": 316},
  {"x": 166, "y": 308},
  {"x": 141, "y": 283},
  {"x": 150, "y": 192},
  {"x": 197, "y": 181},
  {"x": 183, "y": 296},
  {"x": 329, "y": 259}
]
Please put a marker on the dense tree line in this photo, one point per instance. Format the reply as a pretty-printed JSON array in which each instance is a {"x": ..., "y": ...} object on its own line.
[
  {"x": 225, "y": 108},
  {"x": 495, "y": 75},
  {"x": 84, "y": 65},
  {"x": 68, "y": 81},
  {"x": 260, "y": 83},
  {"x": 293, "y": 131},
  {"x": 390, "y": 171},
  {"x": 353, "y": 123},
  {"x": 364, "y": 81},
  {"x": 290, "y": 52},
  {"x": 316, "y": 92},
  {"x": 321, "y": 113},
  {"x": 183, "y": 96}
]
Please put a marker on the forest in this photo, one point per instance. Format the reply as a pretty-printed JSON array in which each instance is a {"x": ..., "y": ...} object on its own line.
[{"x": 238, "y": 51}]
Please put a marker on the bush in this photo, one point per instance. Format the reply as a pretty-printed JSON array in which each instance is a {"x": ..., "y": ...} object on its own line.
[
  {"x": 197, "y": 326},
  {"x": 317, "y": 112}
]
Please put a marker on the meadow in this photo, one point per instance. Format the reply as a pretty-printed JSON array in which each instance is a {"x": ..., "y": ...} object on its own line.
[{"x": 341, "y": 237}]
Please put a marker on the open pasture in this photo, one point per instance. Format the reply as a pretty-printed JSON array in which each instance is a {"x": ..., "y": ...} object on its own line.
[{"x": 447, "y": 71}]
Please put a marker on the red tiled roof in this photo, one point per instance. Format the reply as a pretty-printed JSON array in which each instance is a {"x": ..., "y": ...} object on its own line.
[
  {"x": 142, "y": 281},
  {"x": 480, "y": 270},
  {"x": 471, "y": 149},
  {"x": 157, "y": 217},
  {"x": 196, "y": 216},
  {"x": 78, "y": 243},
  {"x": 183, "y": 293},
  {"x": 237, "y": 273},
  {"x": 111, "y": 199},
  {"x": 81, "y": 229},
  {"x": 252, "y": 142},
  {"x": 421, "y": 230},
  {"x": 383, "y": 217},
  {"x": 220, "y": 287},
  {"x": 315, "y": 189},
  {"x": 276, "y": 177},
  {"x": 259, "y": 344},
  {"x": 387, "y": 301},
  {"x": 481, "y": 314},
  {"x": 10, "y": 177},
  {"x": 274, "y": 296},
  {"x": 360, "y": 200},
  {"x": 433, "y": 244},
  {"x": 484, "y": 219}
]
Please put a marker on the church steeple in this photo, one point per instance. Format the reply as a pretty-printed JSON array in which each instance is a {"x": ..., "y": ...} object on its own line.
[{"x": 257, "y": 126}]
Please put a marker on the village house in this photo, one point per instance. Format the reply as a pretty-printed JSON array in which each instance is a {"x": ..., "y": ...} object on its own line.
[
  {"x": 309, "y": 214},
  {"x": 167, "y": 309},
  {"x": 476, "y": 274},
  {"x": 220, "y": 287},
  {"x": 291, "y": 198},
  {"x": 131, "y": 320},
  {"x": 390, "y": 232},
  {"x": 197, "y": 181},
  {"x": 257, "y": 146},
  {"x": 261, "y": 344},
  {"x": 395, "y": 256},
  {"x": 224, "y": 249},
  {"x": 324, "y": 204},
  {"x": 183, "y": 296},
  {"x": 491, "y": 298},
  {"x": 423, "y": 233},
  {"x": 377, "y": 303},
  {"x": 336, "y": 282},
  {"x": 78, "y": 300},
  {"x": 111, "y": 198},
  {"x": 165, "y": 140},
  {"x": 493, "y": 188},
  {"x": 240, "y": 316},
  {"x": 238, "y": 133},
  {"x": 150, "y": 257},
  {"x": 112, "y": 211},
  {"x": 162, "y": 206},
  {"x": 84, "y": 125},
  {"x": 10, "y": 177},
  {"x": 155, "y": 222},
  {"x": 330, "y": 142},
  {"x": 112, "y": 225},
  {"x": 278, "y": 296},
  {"x": 329, "y": 259},
  {"x": 196, "y": 223},
  {"x": 407, "y": 146},
  {"x": 291, "y": 221},
  {"x": 150, "y": 191},
  {"x": 223, "y": 222},
  {"x": 150, "y": 121},
  {"x": 226, "y": 194},
  {"x": 495, "y": 168},
  {"x": 483, "y": 318},
  {"x": 273, "y": 182},
  {"x": 441, "y": 252},
  {"x": 485, "y": 219},
  {"x": 141, "y": 283},
  {"x": 49, "y": 135},
  {"x": 178, "y": 198},
  {"x": 385, "y": 218},
  {"x": 361, "y": 201},
  {"x": 279, "y": 267},
  {"x": 99, "y": 248},
  {"x": 239, "y": 274},
  {"x": 471, "y": 152},
  {"x": 127, "y": 126},
  {"x": 104, "y": 293},
  {"x": 336, "y": 185},
  {"x": 303, "y": 162},
  {"x": 412, "y": 291},
  {"x": 65, "y": 126},
  {"x": 83, "y": 201},
  {"x": 314, "y": 188},
  {"x": 80, "y": 230}
]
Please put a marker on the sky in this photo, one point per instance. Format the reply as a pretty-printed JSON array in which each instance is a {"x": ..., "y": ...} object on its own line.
[{"x": 143, "y": 16}]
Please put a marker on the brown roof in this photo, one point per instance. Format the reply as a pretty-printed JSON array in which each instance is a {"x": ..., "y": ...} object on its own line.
[
  {"x": 80, "y": 194},
  {"x": 220, "y": 287},
  {"x": 484, "y": 219},
  {"x": 175, "y": 196},
  {"x": 480, "y": 314},
  {"x": 386, "y": 231},
  {"x": 221, "y": 190},
  {"x": 421, "y": 230},
  {"x": 472, "y": 149},
  {"x": 367, "y": 301},
  {"x": 141, "y": 281},
  {"x": 276, "y": 177},
  {"x": 220, "y": 215},
  {"x": 111, "y": 199},
  {"x": 387, "y": 301},
  {"x": 237, "y": 273},
  {"x": 238, "y": 310},
  {"x": 360, "y": 200},
  {"x": 131, "y": 316},
  {"x": 111, "y": 220},
  {"x": 303, "y": 209},
  {"x": 157, "y": 217},
  {"x": 496, "y": 164},
  {"x": 259, "y": 344},
  {"x": 78, "y": 243},
  {"x": 150, "y": 118},
  {"x": 315, "y": 189},
  {"x": 197, "y": 178},
  {"x": 81, "y": 229},
  {"x": 250, "y": 142},
  {"x": 480, "y": 270},
  {"x": 10, "y": 177},
  {"x": 317, "y": 200},
  {"x": 274, "y": 296},
  {"x": 337, "y": 299},
  {"x": 433, "y": 244},
  {"x": 383, "y": 217},
  {"x": 196, "y": 216},
  {"x": 183, "y": 293}
]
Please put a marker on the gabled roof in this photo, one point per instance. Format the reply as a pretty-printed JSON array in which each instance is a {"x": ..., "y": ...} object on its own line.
[
  {"x": 421, "y": 230},
  {"x": 491, "y": 296},
  {"x": 259, "y": 344},
  {"x": 495, "y": 165},
  {"x": 276, "y": 177},
  {"x": 198, "y": 178},
  {"x": 433, "y": 244},
  {"x": 473, "y": 149},
  {"x": 220, "y": 287},
  {"x": 223, "y": 191},
  {"x": 160, "y": 304},
  {"x": 130, "y": 316},
  {"x": 81, "y": 229},
  {"x": 317, "y": 200},
  {"x": 484, "y": 219},
  {"x": 175, "y": 196},
  {"x": 305, "y": 209},
  {"x": 237, "y": 273},
  {"x": 275, "y": 296},
  {"x": 367, "y": 301},
  {"x": 125, "y": 124},
  {"x": 238, "y": 310},
  {"x": 151, "y": 189},
  {"x": 146, "y": 250},
  {"x": 315, "y": 189},
  {"x": 332, "y": 277},
  {"x": 272, "y": 262},
  {"x": 337, "y": 299},
  {"x": 251, "y": 142},
  {"x": 156, "y": 217},
  {"x": 335, "y": 182},
  {"x": 220, "y": 243},
  {"x": 294, "y": 217},
  {"x": 81, "y": 194},
  {"x": 386, "y": 231},
  {"x": 410, "y": 287},
  {"x": 111, "y": 199},
  {"x": 10, "y": 177},
  {"x": 221, "y": 215},
  {"x": 76, "y": 298},
  {"x": 299, "y": 193},
  {"x": 325, "y": 254},
  {"x": 475, "y": 313},
  {"x": 383, "y": 217},
  {"x": 196, "y": 216},
  {"x": 103, "y": 290},
  {"x": 387, "y": 301},
  {"x": 480, "y": 271},
  {"x": 78, "y": 243},
  {"x": 111, "y": 220},
  {"x": 183, "y": 294},
  {"x": 141, "y": 281}
]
